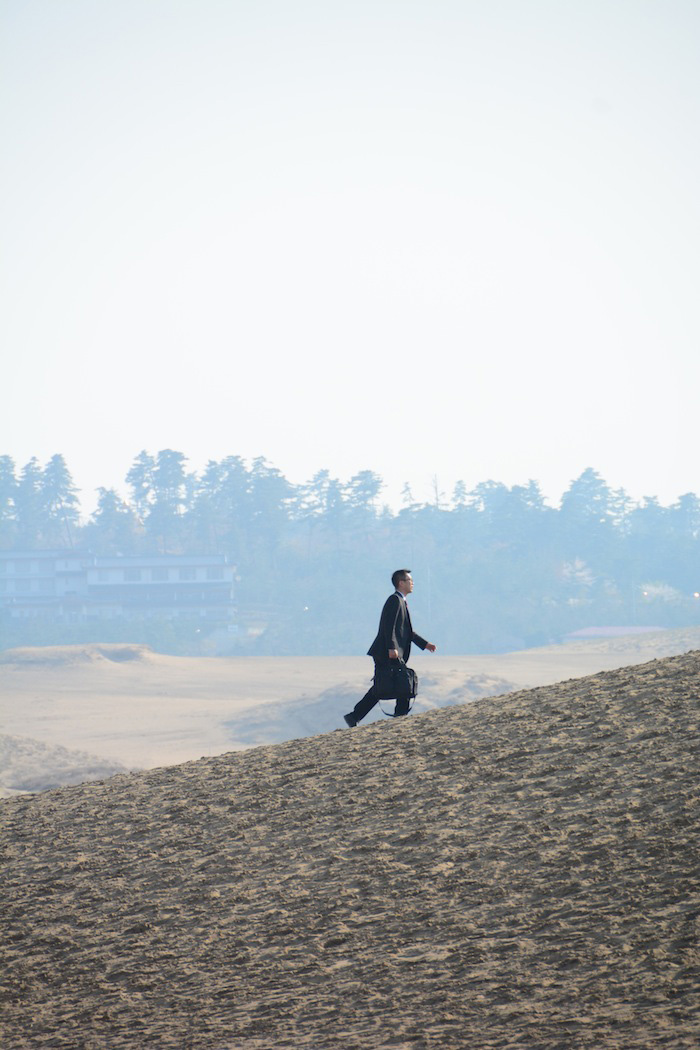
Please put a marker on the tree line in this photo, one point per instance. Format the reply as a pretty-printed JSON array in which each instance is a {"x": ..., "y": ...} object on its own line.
[{"x": 496, "y": 567}]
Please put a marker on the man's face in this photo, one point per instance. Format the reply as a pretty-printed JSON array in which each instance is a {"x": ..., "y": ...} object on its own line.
[{"x": 406, "y": 586}]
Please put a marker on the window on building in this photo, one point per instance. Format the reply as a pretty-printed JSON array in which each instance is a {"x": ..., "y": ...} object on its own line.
[
  {"x": 132, "y": 575},
  {"x": 159, "y": 575},
  {"x": 102, "y": 575},
  {"x": 215, "y": 574},
  {"x": 188, "y": 574}
]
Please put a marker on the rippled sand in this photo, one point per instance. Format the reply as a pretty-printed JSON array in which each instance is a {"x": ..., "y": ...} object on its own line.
[{"x": 515, "y": 872}]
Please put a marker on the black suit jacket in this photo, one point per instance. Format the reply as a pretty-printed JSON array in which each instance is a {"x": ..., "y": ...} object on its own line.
[{"x": 395, "y": 631}]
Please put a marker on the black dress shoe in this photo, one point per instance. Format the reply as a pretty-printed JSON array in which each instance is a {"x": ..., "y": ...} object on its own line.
[{"x": 350, "y": 719}]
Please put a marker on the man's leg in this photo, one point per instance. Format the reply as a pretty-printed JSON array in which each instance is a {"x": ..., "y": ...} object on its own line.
[
  {"x": 402, "y": 707},
  {"x": 363, "y": 706}
]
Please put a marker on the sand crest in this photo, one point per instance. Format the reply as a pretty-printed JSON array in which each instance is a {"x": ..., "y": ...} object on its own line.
[
  {"x": 29, "y": 765},
  {"x": 515, "y": 872},
  {"x": 142, "y": 709},
  {"x": 72, "y": 655}
]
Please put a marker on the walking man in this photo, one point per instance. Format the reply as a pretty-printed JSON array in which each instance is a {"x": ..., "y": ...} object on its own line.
[{"x": 393, "y": 642}]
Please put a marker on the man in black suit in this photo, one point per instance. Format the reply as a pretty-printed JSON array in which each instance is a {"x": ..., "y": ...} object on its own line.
[{"x": 393, "y": 642}]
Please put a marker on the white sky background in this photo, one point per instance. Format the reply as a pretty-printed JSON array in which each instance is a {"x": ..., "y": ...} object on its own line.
[{"x": 452, "y": 239}]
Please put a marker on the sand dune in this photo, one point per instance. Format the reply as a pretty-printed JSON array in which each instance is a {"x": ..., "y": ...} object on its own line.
[
  {"x": 142, "y": 710},
  {"x": 29, "y": 765},
  {"x": 514, "y": 872},
  {"x": 75, "y": 655}
]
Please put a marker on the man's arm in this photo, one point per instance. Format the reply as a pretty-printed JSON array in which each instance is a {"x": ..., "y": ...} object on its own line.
[
  {"x": 394, "y": 653},
  {"x": 422, "y": 643},
  {"x": 387, "y": 625}
]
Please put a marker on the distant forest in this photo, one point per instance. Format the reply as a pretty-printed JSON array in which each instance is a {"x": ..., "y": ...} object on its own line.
[{"x": 496, "y": 568}]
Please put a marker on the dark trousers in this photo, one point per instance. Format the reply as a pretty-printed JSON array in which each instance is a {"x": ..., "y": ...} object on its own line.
[{"x": 370, "y": 699}]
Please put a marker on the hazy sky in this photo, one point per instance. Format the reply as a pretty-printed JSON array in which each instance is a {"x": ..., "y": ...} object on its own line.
[{"x": 452, "y": 239}]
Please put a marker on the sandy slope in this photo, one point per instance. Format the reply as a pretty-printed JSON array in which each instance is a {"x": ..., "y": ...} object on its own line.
[
  {"x": 139, "y": 709},
  {"x": 516, "y": 872},
  {"x": 29, "y": 765}
]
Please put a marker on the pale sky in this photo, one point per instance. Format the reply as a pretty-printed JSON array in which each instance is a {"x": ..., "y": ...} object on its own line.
[{"x": 452, "y": 238}]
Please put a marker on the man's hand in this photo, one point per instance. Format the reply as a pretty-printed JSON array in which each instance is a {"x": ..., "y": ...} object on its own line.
[
  {"x": 430, "y": 647},
  {"x": 393, "y": 654}
]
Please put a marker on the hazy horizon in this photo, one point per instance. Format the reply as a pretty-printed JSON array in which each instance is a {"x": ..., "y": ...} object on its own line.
[
  {"x": 394, "y": 501},
  {"x": 452, "y": 241}
]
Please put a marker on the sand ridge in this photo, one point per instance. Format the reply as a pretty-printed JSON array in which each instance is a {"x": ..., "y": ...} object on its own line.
[
  {"x": 72, "y": 655},
  {"x": 28, "y": 765},
  {"x": 516, "y": 872},
  {"x": 140, "y": 709}
]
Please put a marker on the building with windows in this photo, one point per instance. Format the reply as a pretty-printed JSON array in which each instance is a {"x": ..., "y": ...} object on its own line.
[
  {"x": 48, "y": 583},
  {"x": 74, "y": 586}
]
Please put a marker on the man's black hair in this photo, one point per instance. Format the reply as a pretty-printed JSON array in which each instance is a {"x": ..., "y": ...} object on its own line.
[{"x": 400, "y": 574}]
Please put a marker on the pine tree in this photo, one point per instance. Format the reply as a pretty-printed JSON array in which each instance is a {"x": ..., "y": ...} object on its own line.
[
  {"x": 8, "y": 490},
  {"x": 164, "y": 520},
  {"x": 140, "y": 481},
  {"x": 59, "y": 503},
  {"x": 29, "y": 505},
  {"x": 113, "y": 527}
]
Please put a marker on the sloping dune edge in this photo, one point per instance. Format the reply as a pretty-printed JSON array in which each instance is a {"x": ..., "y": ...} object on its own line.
[
  {"x": 70, "y": 655},
  {"x": 516, "y": 872},
  {"x": 30, "y": 765}
]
